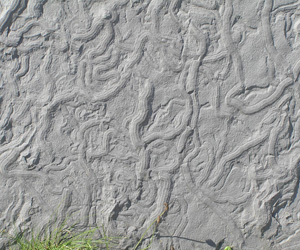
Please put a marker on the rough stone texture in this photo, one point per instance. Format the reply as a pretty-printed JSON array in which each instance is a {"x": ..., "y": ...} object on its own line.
[{"x": 109, "y": 108}]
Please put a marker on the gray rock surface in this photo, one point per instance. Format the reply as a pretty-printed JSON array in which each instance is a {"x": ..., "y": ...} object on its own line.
[{"x": 109, "y": 108}]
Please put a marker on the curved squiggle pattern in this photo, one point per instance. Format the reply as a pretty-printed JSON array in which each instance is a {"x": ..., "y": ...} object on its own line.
[{"x": 108, "y": 109}]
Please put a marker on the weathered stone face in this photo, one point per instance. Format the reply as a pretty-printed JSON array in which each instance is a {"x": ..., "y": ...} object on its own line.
[{"x": 110, "y": 108}]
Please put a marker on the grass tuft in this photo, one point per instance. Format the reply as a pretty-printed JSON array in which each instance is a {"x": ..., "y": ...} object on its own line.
[
  {"x": 61, "y": 240},
  {"x": 67, "y": 238}
]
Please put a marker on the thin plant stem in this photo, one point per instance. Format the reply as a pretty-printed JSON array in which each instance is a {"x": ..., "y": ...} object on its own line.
[{"x": 141, "y": 239}]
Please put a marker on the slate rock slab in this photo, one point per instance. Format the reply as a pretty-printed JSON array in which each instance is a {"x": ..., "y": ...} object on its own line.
[{"x": 109, "y": 108}]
